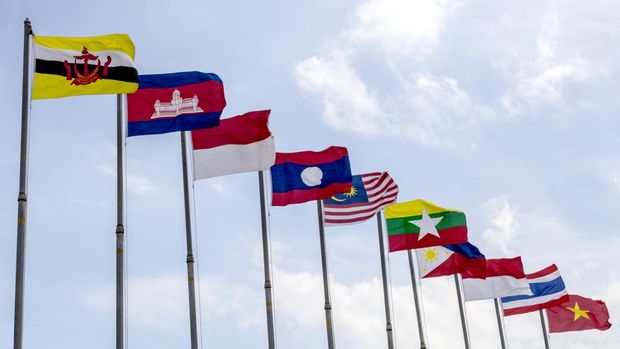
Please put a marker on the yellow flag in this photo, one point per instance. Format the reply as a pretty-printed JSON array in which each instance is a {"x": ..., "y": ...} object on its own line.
[{"x": 67, "y": 66}]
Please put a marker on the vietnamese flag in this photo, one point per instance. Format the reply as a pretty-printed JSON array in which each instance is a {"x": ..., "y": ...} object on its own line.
[{"x": 578, "y": 314}]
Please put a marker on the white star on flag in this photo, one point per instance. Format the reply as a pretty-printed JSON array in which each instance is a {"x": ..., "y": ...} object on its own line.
[{"x": 427, "y": 225}]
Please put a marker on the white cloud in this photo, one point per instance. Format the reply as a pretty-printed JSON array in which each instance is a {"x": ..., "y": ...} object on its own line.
[
  {"x": 348, "y": 104},
  {"x": 430, "y": 109},
  {"x": 439, "y": 111},
  {"x": 413, "y": 46},
  {"x": 503, "y": 221},
  {"x": 401, "y": 27},
  {"x": 160, "y": 304},
  {"x": 541, "y": 79}
]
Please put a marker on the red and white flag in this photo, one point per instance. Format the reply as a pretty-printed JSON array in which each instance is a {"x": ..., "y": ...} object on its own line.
[
  {"x": 501, "y": 277},
  {"x": 242, "y": 143},
  {"x": 369, "y": 194}
]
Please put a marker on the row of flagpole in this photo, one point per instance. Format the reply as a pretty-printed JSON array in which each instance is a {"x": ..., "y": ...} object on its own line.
[
  {"x": 120, "y": 240},
  {"x": 190, "y": 260},
  {"x": 120, "y": 232}
]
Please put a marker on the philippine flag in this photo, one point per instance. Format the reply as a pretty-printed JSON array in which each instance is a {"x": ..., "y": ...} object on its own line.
[
  {"x": 450, "y": 259},
  {"x": 308, "y": 175},
  {"x": 175, "y": 102},
  {"x": 548, "y": 291}
]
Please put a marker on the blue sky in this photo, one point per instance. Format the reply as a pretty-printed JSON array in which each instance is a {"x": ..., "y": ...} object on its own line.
[{"x": 504, "y": 111}]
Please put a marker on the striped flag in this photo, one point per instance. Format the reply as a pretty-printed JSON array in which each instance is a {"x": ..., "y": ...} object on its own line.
[
  {"x": 369, "y": 194},
  {"x": 548, "y": 291}
]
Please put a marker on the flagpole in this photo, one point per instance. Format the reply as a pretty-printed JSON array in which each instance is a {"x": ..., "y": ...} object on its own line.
[
  {"x": 459, "y": 295},
  {"x": 22, "y": 197},
  {"x": 191, "y": 287},
  {"x": 264, "y": 217},
  {"x": 120, "y": 221},
  {"x": 543, "y": 323},
  {"x": 415, "y": 283},
  {"x": 499, "y": 311},
  {"x": 329, "y": 323},
  {"x": 386, "y": 294}
]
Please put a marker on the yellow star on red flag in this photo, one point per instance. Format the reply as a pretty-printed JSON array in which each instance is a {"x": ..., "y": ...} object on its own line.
[{"x": 579, "y": 312}]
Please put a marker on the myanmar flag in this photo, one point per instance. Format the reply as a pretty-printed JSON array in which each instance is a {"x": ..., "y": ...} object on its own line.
[
  {"x": 72, "y": 66},
  {"x": 419, "y": 223}
]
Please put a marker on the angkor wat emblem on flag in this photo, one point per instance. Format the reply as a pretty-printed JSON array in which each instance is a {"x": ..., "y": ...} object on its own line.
[
  {"x": 176, "y": 106},
  {"x": 86, "y": 77}
]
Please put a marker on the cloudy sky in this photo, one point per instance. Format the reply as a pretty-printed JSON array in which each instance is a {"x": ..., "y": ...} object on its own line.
[{"x": 506, "y": 111}]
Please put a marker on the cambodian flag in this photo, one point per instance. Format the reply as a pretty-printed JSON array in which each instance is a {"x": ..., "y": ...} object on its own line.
[
  {"x": 548, "y": 291},
  {"x": 175, "y": 102},
  {"x": 450, "y": 259},
  {"x": 308, "y": 175}
]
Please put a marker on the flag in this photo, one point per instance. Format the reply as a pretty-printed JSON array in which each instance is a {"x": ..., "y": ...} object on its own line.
[
  {"x": 419, "y": 223},
  {"x": 175, "y": 102},
  {"x": 308, "y": 175},
  {"x": 501, "y": 277},
  {"x": 369, "y": 194},
  {"x": 449, "y": 260},
  {"x": 72, "y": 66},
  {"x": 548, "y": 290},
  {"x": 242, "y": 143},
  {"x": 578, "y": 314}
]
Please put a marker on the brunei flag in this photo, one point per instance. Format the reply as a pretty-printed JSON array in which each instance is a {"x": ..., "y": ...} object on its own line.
[
  {"x": 67, "y": 66},
  {"x": 419, "y": 223}
]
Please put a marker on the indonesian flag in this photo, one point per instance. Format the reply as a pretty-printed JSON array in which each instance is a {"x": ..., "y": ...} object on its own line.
[
  {"x": 502, "y": 277},
  {"x": 242, "y": 143}
]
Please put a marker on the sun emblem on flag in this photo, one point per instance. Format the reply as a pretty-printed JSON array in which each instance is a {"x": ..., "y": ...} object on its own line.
[
  {"x": 351, "y": 193},
  {"x": 430, "y": 254}
]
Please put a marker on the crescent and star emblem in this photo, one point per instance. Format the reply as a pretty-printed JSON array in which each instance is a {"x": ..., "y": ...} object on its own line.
[{"x": 353, "y": 192}]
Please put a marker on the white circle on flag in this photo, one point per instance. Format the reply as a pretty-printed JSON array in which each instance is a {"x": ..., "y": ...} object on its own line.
[{"x": 312, "y": 176}]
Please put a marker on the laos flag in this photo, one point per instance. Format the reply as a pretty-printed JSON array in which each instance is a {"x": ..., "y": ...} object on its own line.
[
  {"x": 308, "y": 175},
  {"x": 175, "y": 102}
]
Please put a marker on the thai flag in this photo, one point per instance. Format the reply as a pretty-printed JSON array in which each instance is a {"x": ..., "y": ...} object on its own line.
[
  {"x": 548, "y": 291},
  {"x": 308, "y": 175}
]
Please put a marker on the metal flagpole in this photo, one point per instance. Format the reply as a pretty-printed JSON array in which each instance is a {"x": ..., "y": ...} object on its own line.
[
  {"x": 499, "y": 311},
  {"x": 191, "y": 287},
  {"x": 543, "y": 322},
  {"x": 264, "y": 217},
  {"x": 120, "y": 221},
  {"x": 22, "y": 198},
  {"x": 415, "y": 283},
  {"x": 386, "y": 294},
  {"x": 459, "y": 295},
  {"x": 329, "y": 323}
]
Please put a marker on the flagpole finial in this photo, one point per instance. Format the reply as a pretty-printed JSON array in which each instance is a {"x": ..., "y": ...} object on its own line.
[{"x": 28, "y": 25}]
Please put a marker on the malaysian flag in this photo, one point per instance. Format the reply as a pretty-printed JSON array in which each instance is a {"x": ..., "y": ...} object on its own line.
[{"x": 369, "y": 194}]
